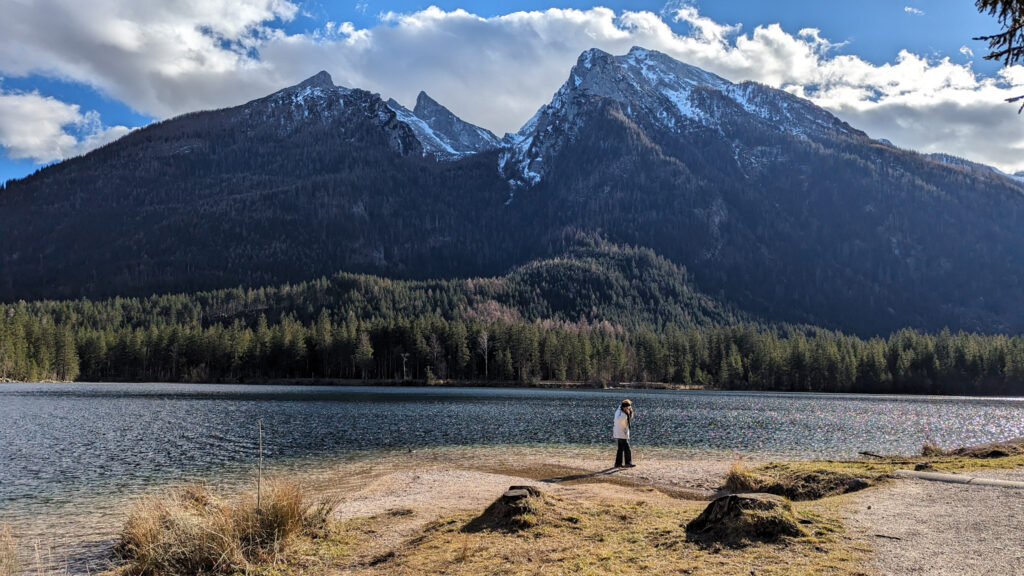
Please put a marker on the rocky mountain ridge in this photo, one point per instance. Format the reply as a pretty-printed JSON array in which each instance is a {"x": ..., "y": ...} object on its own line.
[{"x": 772, "y": 203}]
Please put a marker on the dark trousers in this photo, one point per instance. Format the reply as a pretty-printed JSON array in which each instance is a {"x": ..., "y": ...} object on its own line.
[{"x": 623, "y": 452}]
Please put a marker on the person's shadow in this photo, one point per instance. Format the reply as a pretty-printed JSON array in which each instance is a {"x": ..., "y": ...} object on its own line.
[{"x": 572, "y": 477}]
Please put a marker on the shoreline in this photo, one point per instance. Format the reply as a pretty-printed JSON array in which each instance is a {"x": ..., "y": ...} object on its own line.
[
  {"x": 404, "y": 494},
  {"x": 409, "y": 383},
  {"x": 362, "y": 477},
  {"x": 415, "y": 515},
  {"x": 500, "y": 385}
]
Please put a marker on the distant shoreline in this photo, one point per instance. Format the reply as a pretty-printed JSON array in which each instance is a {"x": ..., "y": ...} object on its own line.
[
  {"x": 353, "y": 382},
  {"x": 509, "y": 385}
]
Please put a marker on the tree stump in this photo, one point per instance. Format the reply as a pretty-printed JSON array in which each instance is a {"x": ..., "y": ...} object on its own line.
[
  {"x": 512, "y": 511},
  {"x": 738, "y": 517}
]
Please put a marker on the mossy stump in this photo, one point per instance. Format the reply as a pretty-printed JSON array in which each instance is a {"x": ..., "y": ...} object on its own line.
[
  {"x": 512, "y": 511},
  {"x": 737, "y": 518}
]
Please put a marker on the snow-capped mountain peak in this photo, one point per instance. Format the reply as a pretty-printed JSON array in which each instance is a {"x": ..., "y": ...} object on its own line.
[
  {"x": 318, "y": 101},
  {"x": 443, "y": 135},
  {"x": 315, "y": 97},
  {"x": 319, "y": 80},
  {"x": 662, "y": 95}
]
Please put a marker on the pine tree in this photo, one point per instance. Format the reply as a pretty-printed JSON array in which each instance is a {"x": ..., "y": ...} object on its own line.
[{"x": 363, "y": 356}]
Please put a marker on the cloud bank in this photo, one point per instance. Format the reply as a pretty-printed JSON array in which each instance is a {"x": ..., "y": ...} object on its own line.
[
  {"x": 169, "y": 57},
  {"x": 44, "y": 129}
]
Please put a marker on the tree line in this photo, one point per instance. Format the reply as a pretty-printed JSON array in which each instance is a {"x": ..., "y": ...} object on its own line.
[{"x": 51, "y": 346}]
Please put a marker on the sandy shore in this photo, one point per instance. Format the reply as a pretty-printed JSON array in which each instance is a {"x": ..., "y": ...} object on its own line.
[
  {"x": 912, "y": 526},
  {"x": 908, "y": 526}
]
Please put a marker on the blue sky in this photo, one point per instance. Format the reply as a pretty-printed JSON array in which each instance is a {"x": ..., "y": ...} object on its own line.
[
  {"x": 875, "y": 29},
  {"x": 74, "y": 75}
]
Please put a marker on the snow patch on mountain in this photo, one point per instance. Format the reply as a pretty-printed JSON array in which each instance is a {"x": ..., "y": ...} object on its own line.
[
  {"x": 433, "y": 144},
  {"x": 317, "y": 100},
  {"x": 976, "y": 167},
  {"x": 316, "y": 96},
  {"x": 443, "y": 135}
]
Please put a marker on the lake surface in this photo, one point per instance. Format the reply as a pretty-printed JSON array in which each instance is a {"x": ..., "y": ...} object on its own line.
[{"x": 71, "y": 451}]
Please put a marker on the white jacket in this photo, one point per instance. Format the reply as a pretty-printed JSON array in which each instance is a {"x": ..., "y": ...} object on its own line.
[{"x": 621, "y": 427}]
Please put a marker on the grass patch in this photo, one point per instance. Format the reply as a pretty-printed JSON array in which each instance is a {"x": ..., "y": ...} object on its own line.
[
  {"x": 1008, "y": 448},
  {"x": 602, "y": 536},
  {"x": 815, "y": 479},
  {"x": 191, "y": 531},
  {"x": 592, "y": 530},
  {"x": 9, "y": 564},
  {"x": 803, "y": 480},
  {"x": 1007, "y": 454}
]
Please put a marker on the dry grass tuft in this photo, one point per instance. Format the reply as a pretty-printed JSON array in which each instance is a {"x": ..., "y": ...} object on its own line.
[
  {"x": 317, "y": 513},
  {"x": 9, "y": 564},
  {"x": 1014, "y": 447},
  {"x": 741, "y": 479},
  {"x": 795, "y": 482},
  {"x": 191, "y": 531},
  {"x": 262, "y": 530}
]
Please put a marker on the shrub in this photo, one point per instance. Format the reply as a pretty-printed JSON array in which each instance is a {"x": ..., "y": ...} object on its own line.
[{"x": 190, "y": 531}]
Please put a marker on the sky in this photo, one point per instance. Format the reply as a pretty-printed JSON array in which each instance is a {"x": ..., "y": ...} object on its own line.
[{"x": 75, "y": 75}]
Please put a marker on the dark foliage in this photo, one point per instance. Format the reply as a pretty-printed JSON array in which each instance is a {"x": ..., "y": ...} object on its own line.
[
  {"x": 1008, "y": 45},
  {"x": 629, "y": 316}
]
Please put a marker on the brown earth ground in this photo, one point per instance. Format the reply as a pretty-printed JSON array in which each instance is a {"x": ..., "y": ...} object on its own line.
[
  {"x": 903, "y": 526},
  {"x": 420, "y": 513}
]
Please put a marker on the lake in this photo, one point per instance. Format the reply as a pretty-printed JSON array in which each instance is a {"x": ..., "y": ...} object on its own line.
[{"x": 71, "y": 452}]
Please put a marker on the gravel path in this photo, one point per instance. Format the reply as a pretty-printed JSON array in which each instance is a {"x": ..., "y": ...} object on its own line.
[{"x": 935, "y": 528}]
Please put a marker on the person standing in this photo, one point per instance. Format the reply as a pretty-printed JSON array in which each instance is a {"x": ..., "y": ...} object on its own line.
[{"x": 623, "y": 420}]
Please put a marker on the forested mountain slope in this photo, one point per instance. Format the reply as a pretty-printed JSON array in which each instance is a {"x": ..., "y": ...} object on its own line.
[
  {"x": 598, "y": 314},
  {"x": 770, "y": 202}
]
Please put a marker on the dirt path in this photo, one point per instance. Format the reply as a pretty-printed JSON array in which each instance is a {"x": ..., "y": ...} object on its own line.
[{"x": 934, "y": 528}]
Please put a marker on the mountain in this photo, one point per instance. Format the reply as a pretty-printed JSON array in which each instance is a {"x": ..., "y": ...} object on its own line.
[
  {"x": 664, "y": 97},
  {"x": 441, "y": 133},
  {"x": 771, "y": 203},
  {"x": 307, "y": 181},
  {"x": 767, "y": 198}
]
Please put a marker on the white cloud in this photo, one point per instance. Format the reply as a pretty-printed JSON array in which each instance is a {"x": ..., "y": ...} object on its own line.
[
  {"x": 45, "y": 129},
  {"x": 966, "y": 51},
  {"x": 169, "y": 57},
  {"x": 913, "y": 11},
  {"x": 161, "y": 57}
]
